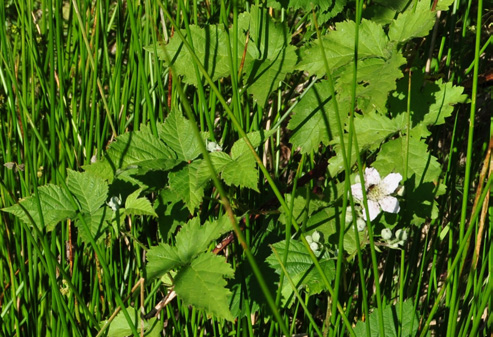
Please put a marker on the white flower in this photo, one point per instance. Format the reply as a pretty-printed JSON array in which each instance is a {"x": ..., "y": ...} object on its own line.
[{"x": 378, "y": 192}]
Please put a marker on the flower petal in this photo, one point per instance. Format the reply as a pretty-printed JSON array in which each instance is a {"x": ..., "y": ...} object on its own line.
[
  {"x": 389, "y": 204},
  {"x": 390, "y": 183},
  {"x": 357, "y": 192},
  {"x": 372, "y": 177},
  {"x": 373, "y": 208}
]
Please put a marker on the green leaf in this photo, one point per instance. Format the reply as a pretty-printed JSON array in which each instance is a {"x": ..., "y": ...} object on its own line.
[
  {"x": 314, "y": 120},
  {"x": 394, "y": 324},
  {"x": 97, "y": 223},
  {"x": 423, "y": 177},
  {"x": 269, "y": 51},
  {"x": 140, "y": 149},
  {"x": 202, "y": 285},
  {"x": 90, "y": 191},
  {"x": 219, "y": 161},
  {"x": 138, "y": 206},
  {"x": 376, "y": 78},
  {"x": 339, "y": 47},
  {"x": 256, "y": 138},
  {"x": 242, "y": 172},
  {"x": 55, "y": 207},
  {"x": 161, "y": 259},
  {"x": 210, "y": 46},
  {"x": 120, "y": 328},
  {"x": 192, "y": 240},
  {"x": 177, "y": 132},
  {"x": 412, "y": 23},
  {"x": 101, "y": 169},
  {"x": 186, "y": 184},
  {"x": 301, "y": 268},
  {"x": 431, "y": 102},
  {"x": 372, "y": 129}
]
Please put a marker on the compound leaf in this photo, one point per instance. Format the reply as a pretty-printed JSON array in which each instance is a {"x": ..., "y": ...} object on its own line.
[{"x": 202, "y": 285}]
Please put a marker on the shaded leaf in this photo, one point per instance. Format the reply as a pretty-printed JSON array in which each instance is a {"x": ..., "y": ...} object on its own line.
[
  {"x": 301, "y": 268},
  {"x": 210, "y": 46},
  {"x": 339, "y": 47},
  {"x": 394, "y": 324},
  {"x": 120, "y": 328},
  {"x": 314, "y": 120},
  {"x": 271, "y": 55}
]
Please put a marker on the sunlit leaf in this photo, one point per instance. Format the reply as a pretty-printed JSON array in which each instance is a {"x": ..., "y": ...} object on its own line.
[
  {"x": 55, "y": 207},
  {"x": 202, "y": 285}
]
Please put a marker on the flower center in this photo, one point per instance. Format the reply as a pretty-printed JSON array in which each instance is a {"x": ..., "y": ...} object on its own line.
[{"x": 374, "y": 193}]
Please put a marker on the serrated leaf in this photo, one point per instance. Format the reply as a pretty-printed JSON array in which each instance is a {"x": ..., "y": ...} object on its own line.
[
  {"x": 431, "y": 102},
  {"x": 269, "y": 51},
  {"x": 89, "y": 190},
  {"x": 101, "y": 169},
  {"x": 55, "y": 207},
  {"x": 314, "y": 120},
  {"x": 376, "y": 78},
  {"x": 210, "y": 45},
  {"x": 411, "y": 24},
  {"x": 138, "y": 206},
  {"x": 219, "y": 161},
  {"x": 423, "y": 175},
  {"x": 142, "y": 150},
  {"x": 161, "y": 259},
  {"x": 97, "y": 223},
  {"x": 301, "y": 269},
  {"x": 177, "y": 133},
  {"x": 371, "y": 129},
  {"x": 394, "y": 324},
  {"x": 339, "y": 47},
  {"x": 120, "y": 328},
  {"x": 185, "y": 183},
  {"x": 194, "y": 238},
  {"x": 202, "y": 285},
  {"x": 242, "y": 172}
]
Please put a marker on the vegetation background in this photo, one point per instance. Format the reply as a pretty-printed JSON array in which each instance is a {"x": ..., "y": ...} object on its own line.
[{"x": 80, "y": 78}]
